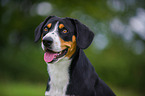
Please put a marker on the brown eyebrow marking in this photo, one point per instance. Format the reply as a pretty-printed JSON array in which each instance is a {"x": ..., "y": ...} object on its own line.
[
  {"x": 61, "y": 26},
  {"x": 49, "y": 25}
]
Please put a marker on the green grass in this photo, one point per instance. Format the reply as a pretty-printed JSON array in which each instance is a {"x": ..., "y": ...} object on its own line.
[
  {"x": 125, "y": 92},
  {"x": 21, "y": 89},
  {"x": 28, "y": 89}
]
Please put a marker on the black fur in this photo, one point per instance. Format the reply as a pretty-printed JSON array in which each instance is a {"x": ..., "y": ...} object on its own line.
[{"x": 84, "y": 81}]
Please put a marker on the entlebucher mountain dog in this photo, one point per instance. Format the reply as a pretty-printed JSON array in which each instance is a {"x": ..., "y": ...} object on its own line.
[{"x": 70, "y": 71}]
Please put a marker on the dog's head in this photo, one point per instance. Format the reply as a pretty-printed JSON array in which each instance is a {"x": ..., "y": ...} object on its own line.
[{"x": 61, "y": 36}]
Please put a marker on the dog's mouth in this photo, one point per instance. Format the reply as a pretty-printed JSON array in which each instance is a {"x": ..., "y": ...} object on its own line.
[{"x": 51, "y": 56}]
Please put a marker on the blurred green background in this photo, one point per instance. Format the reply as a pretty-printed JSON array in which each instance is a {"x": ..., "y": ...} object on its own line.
[{"x": 117, "y": 51}]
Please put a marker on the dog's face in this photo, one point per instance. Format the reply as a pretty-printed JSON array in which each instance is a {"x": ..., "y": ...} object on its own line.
[
  {"x": 58, "y": 40},
  {"x": 61, "y": 36}
]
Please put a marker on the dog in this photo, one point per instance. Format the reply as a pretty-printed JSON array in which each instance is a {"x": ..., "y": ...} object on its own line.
[{"x": 70, "y": 71}]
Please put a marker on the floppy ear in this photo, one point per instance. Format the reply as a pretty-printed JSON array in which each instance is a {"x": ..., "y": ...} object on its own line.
[
  {"x": 38, "y": 30},
  {"x": 84, "y": 35}
]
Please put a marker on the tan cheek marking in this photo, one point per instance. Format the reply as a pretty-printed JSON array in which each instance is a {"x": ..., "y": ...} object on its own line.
[
  {"x": 61, "y": 26},
  {"x": 49, "y": 25},
  {"x": 70, "y": 45}
]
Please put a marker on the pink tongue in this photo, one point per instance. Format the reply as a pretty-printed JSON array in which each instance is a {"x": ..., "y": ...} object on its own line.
[{"x": 48, "y": 56}]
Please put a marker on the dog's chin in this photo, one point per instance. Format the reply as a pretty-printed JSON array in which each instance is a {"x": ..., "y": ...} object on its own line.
[{"x": 51, "y": 57}]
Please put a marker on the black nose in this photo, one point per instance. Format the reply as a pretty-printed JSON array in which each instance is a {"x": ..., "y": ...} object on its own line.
[{"x": 47, "y": 41}]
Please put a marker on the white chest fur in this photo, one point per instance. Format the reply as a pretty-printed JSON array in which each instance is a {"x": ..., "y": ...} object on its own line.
[{"x": 59, "y": 74}]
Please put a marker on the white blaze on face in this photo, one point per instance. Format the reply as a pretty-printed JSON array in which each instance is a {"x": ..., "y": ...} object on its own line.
[{"x": 56, "y": 45}]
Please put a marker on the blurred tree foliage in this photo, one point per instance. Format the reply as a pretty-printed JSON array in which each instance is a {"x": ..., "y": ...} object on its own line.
[{"x": 117, "y": 52}]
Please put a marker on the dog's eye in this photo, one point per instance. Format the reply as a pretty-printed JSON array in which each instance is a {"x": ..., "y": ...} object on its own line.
[
  {"x": 45, "y": 29},
  {"x": 64, "y": 31}
]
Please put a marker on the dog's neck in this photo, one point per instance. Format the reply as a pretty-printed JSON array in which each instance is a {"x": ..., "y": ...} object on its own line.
[{"x": 59, "y": 77}]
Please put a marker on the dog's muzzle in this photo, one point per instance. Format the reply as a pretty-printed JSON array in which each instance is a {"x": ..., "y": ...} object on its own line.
[{"x": 50, "y": 54}]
